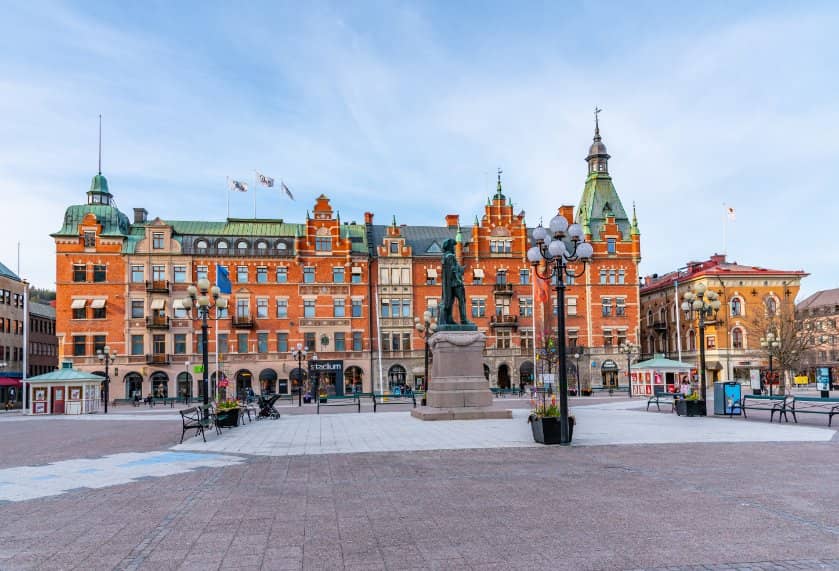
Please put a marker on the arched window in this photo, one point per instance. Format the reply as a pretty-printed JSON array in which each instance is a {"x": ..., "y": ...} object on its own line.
[
  {"x": 396, "y": 376},
  {"x": 281, "y": 246},
  {"x": 201, "y": 244},
  {"x": 771, "y": 306},
  {"x": 736, "y": 307},
  {"x": 651, "y": 344},
  {"x": 261, "y": 245},
  {"x": 737, "y": 338},
  {"x": 221, "y": 244},
  {"x": 650, "y": 317},
  {"x": 242, "y": 245},
  {"x": 691, "y": 340}
]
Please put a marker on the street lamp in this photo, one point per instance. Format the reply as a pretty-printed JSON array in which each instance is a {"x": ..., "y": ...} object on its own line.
[
  {"x": 578, "y": 353},
  {"x": 105, "y": 355},
  {"x": 550, "y": 247},
  {"x": 203, "y": 303},
  {"x": 299, "y": 353},
  {"x": 771, "y": 344},
  {"x": 426, "y": 327},
  {"x": 630, "y": 350},
  {"x": 702, "y": 303}
]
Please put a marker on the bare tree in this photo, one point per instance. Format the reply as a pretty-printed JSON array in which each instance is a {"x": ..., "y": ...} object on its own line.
[{"x": 774, "y": 332}]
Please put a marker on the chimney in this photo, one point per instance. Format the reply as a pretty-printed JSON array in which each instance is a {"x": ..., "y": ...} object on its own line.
[
  {"x": 452, "y": 221},
  {"x": 368, "y": 217},
  {"x": 567, "y": 212},
  {"x": 140, "y": 215},
  {"x": 718, "y": 259}
]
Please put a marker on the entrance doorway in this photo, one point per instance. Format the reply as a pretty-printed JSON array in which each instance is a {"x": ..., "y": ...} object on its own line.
[
  {"x": 184, "y": 385},
  {"x": 299, "y": 378},
  {"x": 352, "y": 379},
  {"x": 609, "y": 372},
  {"x": 133, "y": 385},
  {"x": 58, "y": 400},
  {"x": 268, "y": 381},
  {"x": 160, "y": 384},
  {"x": 503, "y": 377},
  {"x": 244, "y": 381}
]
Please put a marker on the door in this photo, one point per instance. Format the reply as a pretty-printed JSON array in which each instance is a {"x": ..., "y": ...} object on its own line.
[{"x": 58, "y": 400}]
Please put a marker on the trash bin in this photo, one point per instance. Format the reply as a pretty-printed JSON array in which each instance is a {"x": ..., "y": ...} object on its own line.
[{"x": 727, "y": 396}]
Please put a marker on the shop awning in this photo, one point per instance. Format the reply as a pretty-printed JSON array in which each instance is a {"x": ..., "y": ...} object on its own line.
[
  {"x": 418, "y": 371},
  {"x": 431, "y": 273},
  {"x": 9, "y": 382},
  {"x": 356, "y": 270},
  {"x": 78, "y": 304},
  {"x": 178, "y": 304},
  {"x": 713, "y": 365},
  {"x": 478, "y": 273},
  {"x": 158, "y": 304},
  {"x": 98, "y": 303}
]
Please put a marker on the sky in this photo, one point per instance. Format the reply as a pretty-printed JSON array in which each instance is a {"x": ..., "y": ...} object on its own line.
[{"x": 409, "y": 108}]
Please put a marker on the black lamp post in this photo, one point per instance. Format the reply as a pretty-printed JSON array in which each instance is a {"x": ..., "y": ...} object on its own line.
[
  {"x": 203, "y": 303},
  {"x": 550, "y": 247},
  {"x": 299, "y": 353},
  {"x": 771, "y": 344},
  {"x": 702, "y": 303},
  {"x": 105, "y": 355},
  {"x": 630, "y": 350},
  {"x": 426, "y": 327},
  {"x": 578, "y": 353}
]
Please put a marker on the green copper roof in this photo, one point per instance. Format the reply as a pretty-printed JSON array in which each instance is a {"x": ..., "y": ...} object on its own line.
[
  {"x": 65, "y": 375},
  {"x": 99, "y": 184},
  {"x": 599, "y": 200},
  {"x": 633, "y": 229},
  {"x": 660, "y": 362},
  {"x": 238, "y": 227},
  {"x": 114, "y": 222},
  {"x": 7, "y": 273}
]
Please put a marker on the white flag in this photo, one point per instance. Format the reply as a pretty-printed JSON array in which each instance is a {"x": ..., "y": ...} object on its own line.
[
  {"x": 238, "y": 186},
  {"x": 266, "y": 181},
  {"x": 731, "y": 214}
]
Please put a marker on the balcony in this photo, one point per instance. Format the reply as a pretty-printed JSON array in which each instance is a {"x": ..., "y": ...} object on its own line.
[
  {"x": 504, "y": 321},
  {"x": 157, "y": 322},
  {"x": 660, "y": 326},
  {"x": 157, "y": 286},
  {"x": 158, "y": 359},
  {"x": 243, "y": 321},
  {"x": 502, "y": 289}
]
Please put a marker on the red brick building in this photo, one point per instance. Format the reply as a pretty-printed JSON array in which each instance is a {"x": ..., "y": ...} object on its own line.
[{"x": 347, "y": 291}]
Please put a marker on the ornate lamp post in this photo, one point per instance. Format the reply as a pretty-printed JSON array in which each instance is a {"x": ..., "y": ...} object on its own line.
[
  {"x": 203, "y": 303},
  {"x": 426, "y": 327},
  {"x": 105, "y": 355},
  {"x": 299, "y": 353},
  {"x": 703, "y": 304},
  {"x": 550, "y": 247},
  {"x": 630, "y": 350},
  {"x": 771, "y": 345}
]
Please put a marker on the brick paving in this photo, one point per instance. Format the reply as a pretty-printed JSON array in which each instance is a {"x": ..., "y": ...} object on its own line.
[{"x": 760, "y": 506}]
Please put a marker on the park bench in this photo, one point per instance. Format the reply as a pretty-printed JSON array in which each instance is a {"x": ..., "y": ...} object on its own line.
[
  {"x": 504, "y": 392},
  {"x": 124, "y": 401},
  {"x": 773, "y": 403},
  {"x": 661, "y": 398},
  {"x": 814, "y": 405},
  {"x": 335, "y": 400},
  {"x": 151, "y": 401},
  {"x": 610, "y": 390},
  {"x": 191, "y": 418},
  {"x": 380, "y": 399}
]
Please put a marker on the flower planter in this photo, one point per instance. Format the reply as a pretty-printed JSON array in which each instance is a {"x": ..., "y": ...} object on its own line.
[
  {"x": 227, "y": 418},
  {"x": 686, "y": 407},
  {"x": 546, "y": 430}
]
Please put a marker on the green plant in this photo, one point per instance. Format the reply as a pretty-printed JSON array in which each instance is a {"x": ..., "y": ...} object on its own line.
[
  {"x": 692, "y": 396},
  {"x": 544, "y": 408},
  {"x": 227, "y": 405}
]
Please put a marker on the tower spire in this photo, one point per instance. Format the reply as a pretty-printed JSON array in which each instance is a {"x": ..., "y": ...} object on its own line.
[
  {"x": 100, "y": 143},
  {"x": 597, "y": 111},
  {"x": 598, "y": 158}
]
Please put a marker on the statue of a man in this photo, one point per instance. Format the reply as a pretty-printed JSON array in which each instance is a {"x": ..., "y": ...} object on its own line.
[{"x": 452, "y": 287}]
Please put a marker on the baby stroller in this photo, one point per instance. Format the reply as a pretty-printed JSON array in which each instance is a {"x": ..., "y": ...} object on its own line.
[{"x": 266, "y": 407}]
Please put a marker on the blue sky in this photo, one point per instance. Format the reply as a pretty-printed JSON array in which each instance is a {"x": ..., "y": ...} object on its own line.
[{"x": 408, "y": 109}]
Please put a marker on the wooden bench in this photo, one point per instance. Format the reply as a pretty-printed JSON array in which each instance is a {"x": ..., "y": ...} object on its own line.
[
  {"x": 348, "y": 400},
  {"x": 814, "y": 405},
  {"x": 380, "y": 399},
  {"x": 504, "y": 392},
  {"x": 191, "y": 418},
  {"x": 661, "y": 398},
  {"x": 773, "y": 403},
  {"x": 151, "y": 401}
]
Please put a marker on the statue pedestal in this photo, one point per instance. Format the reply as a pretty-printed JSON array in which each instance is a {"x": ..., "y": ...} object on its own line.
[{"x": 458, "y": 389}]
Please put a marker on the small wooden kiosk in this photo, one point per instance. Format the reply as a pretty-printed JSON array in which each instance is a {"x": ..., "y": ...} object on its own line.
[
  {"x": 63, "y": 391},
  {"x": 658, "y": 374}
]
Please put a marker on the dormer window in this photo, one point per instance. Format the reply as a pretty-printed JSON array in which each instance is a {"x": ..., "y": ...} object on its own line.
[
  {"x": 201, "y": 244},
  {"x": 281, "y": 246},
  {"x": 242, "y": 245},
  {"x": 261, "y": 245},
  {"x": 394, "y": 247},
  {"x": 221, "y": 245},
  {"x": 157, "y": 240},
  {"x": 89, "y": 239},
  {"x": 323, "y": 244}
]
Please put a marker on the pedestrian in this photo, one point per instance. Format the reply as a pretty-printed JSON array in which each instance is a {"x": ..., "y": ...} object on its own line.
[{"x": 686, "y": 390}]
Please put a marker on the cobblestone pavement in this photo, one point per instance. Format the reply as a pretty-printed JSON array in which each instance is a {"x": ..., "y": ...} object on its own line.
[{"x": 756, "y": 505}]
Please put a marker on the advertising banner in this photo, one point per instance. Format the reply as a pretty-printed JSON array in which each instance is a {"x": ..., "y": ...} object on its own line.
[
  {"x": 754, "y": 378},
  {"x": 823, "y": 379}
]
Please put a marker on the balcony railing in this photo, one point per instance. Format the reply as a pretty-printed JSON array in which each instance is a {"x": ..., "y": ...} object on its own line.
[
  {"x": 158, "y": 359},
  {"x": 158, "y": 286},
  {"x": 660, "y": 326},
  {"x": 504, "y": 321},
  {"x": 503, "y": 289},
  {"x": 157, "y": 322},
  {"x": 240, "y": 252},
  {"x": 243, "y": 321}
]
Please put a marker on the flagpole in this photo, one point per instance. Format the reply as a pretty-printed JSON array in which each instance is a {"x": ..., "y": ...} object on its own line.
[
  {"x": 254, "y": 194},
  {"x": 724, "y": 229},
  {"x": 533, "y": 290},
  {"x": 227, "y": 190}
]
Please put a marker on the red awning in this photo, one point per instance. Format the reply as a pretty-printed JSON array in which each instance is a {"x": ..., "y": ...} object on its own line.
[{"x": 9, "y": 382}]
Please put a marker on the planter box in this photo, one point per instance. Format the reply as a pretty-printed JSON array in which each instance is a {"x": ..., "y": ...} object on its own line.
[
  {"x": 227, "y": 418},
  {"x": 546, "y": 430},
  {"x": 685, "y": 407}
]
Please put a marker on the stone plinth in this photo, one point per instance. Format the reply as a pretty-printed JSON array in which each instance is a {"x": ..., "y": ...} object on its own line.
[{"x": 457, "y": 388}]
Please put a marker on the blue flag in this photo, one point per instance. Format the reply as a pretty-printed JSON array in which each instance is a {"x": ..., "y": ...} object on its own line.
[{"x": 223, "y": 280}]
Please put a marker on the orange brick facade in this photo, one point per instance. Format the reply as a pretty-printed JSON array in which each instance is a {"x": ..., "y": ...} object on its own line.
[{"x": 347, "y": 291}]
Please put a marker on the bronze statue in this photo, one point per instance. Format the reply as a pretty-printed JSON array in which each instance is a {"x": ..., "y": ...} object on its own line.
[{"x": 452, "y": 287}]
